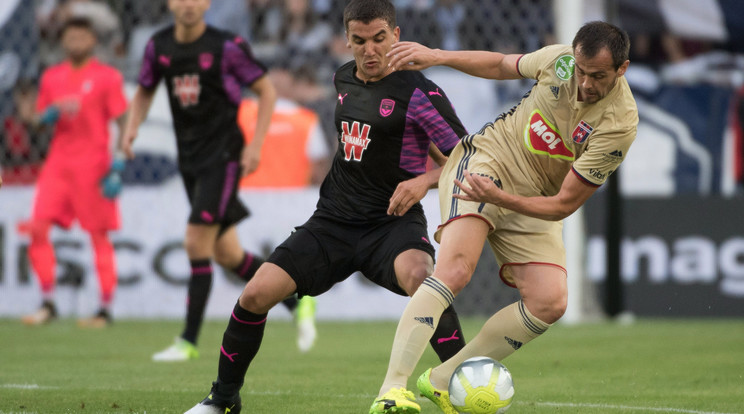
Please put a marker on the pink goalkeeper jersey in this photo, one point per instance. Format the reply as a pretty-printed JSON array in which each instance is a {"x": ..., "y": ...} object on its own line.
[{"x": 89, "y": 98}]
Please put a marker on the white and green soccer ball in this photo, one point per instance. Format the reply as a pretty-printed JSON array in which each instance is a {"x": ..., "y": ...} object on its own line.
[{"x": 481, "y": 385}]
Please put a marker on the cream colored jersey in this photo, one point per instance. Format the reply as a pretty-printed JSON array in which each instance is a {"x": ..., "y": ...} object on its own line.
[
  {"x": 551, "y": 132},
  {"x": 530, "y": 149}
]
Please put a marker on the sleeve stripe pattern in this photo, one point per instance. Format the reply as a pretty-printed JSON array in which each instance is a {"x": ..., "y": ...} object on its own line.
[
  {"x": 239, "y": 68},
  {"x": 148, "y": 79},
  {"x": 423, "y": 123}
]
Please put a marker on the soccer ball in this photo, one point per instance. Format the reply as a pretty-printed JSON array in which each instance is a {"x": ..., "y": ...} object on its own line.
[{"x": 481, "y": 385}]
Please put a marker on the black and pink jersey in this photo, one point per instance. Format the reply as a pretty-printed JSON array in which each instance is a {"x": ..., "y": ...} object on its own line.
[
  {"x": 384, "y": 130},
  {"x": 204, "y": 80}
]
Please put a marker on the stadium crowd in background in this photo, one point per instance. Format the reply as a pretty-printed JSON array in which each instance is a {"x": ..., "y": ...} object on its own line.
[
  {"x": 24, "y": 147},
  {"x": 303, "y": 34}
]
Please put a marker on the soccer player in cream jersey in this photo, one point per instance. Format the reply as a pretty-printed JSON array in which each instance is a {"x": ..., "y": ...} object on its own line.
[{"x": 511, "y": 184}]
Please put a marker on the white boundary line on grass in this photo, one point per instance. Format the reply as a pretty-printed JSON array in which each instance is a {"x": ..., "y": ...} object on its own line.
[
  {"x": 27, "y": 387},
  {"x": 623, "y": 407}
]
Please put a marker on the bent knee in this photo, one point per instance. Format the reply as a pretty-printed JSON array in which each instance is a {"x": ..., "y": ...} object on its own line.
[
  {"x": 548, "y": 309},
  {"x": 412, "y": 278},
  {"x": 253, "y": 301},
  {"x": 456, "y": 275},
  {"x": 225, "y": 260},
  {"x": 38, "y": 230}
]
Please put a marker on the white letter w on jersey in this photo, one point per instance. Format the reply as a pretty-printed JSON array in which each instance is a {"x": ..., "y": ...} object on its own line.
[
  {"x": 187, "y": 89},
  {"x": 355, "y": 140}
]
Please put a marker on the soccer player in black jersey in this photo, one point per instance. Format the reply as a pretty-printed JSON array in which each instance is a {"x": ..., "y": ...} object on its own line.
[
  {"x": 368, "y": 217},
  {"x": 204, "y": 69}
]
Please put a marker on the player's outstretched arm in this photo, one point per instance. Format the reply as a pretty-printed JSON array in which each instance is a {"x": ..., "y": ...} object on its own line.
[
  {"x": 266, "y": 101},
  {"x": 480, "y": 63},
  {"x": 572, "y": 195},
  {"x": 136, "y": 114}
]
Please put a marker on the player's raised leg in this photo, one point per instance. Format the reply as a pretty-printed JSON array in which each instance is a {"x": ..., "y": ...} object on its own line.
[
  {"x": 229, "y": 254},
  {"x": 412, "y": 267},
  {"x": 544, "y": 295},
  {"x": 462, "y": 243},
  {"x": 243, "y": 337}
]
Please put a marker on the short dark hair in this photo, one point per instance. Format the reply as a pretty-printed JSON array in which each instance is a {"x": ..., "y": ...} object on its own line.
[
  {"x": 78, "y": 23},
  {"x": 367, "y": 10},
  {"x": 594, "y": 36}
]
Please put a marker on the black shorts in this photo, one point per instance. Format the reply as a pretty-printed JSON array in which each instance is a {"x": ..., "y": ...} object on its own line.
[
  {"x": 323, "y": 252},
  {"x": 213, "y": 195}
]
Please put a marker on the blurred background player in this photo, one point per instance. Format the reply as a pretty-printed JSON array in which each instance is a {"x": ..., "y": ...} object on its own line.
[
  {"x": 368, "y": 217},
  {"x": 79, "y": 97},
  {"x": 512, "y": 184},
  {"x": 204, "y": 70}
]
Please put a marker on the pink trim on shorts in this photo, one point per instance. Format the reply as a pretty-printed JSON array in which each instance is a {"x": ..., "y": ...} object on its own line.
[
  {"x": 231, "y": 171},
  {"x": 526, "y": 263}
]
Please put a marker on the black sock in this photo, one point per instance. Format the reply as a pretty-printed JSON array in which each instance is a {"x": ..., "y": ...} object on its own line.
[
  {"x": 448, "y": 338},
  {"x": 291, "y": 302},
  {"x": 200, "y": 284},
  {"x": 240, "y": 344},
  {"x": 248, "y": 266}
]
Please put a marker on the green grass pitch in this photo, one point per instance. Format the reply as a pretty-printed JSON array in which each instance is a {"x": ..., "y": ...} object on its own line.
[{"x": 652, "y": 366}]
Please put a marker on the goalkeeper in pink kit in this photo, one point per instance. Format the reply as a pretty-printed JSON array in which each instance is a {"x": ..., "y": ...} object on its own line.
[{"x": 79, "y": 181}]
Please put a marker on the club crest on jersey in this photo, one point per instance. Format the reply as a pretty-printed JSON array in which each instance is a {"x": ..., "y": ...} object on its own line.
[
  {"x": 205, "y": 60},
  {"x": 187, "y": 89},
  {"x": 581, "y": 132},
  {"x": 386, "y": 107},
  {"x": 355, "y": 139},
  {"x": 542, "y": 137}
]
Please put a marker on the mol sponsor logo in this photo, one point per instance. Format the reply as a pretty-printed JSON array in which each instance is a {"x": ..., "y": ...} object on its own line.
[{"x": 542, "y": 137}]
